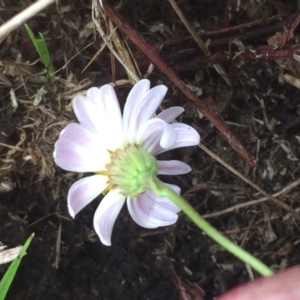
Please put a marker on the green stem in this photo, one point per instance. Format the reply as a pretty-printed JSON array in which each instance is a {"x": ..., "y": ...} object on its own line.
[{"x": 162, "y": 190}]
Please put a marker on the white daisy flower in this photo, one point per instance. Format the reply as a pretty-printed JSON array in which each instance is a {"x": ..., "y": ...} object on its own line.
[{"x": 121, "y": 151}]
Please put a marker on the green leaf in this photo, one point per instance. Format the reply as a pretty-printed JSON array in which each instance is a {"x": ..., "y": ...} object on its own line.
[
  {"x": 12, "y": 270},
  {"x": 42, "y": 49}
]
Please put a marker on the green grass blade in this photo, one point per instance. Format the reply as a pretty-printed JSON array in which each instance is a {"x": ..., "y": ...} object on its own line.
[
  {"x": 44, "y": 53},
  {"x": 12, "y": 270},
  {"x": 42, "y": 49}
]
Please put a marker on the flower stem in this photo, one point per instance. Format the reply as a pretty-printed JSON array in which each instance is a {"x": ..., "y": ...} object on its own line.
[{"x": 162, "y": 190}]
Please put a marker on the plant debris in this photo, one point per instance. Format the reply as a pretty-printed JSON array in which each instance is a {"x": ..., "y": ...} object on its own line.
[{"x": 248, "y": 115}]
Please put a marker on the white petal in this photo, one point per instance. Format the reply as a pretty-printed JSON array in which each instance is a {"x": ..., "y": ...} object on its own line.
[
  {"x": 186, "y": 136},
  {"x": 93, "y": 94},
  {"x": 172, "y": 167},
  {"x": 171, "y": 113},
  {"x": 149, "y": 211},
  {"x": 83, "y": 191},
  {"x": 135, "y": 95},
  {"x": 106, "y": 215},
  {"x": 153, "y": 130},
  {"x": 80, "y": 150},
  {"x": 89, "y": 115},
  {"x": 110, "y": 116},
  {"x": 144, "y": 110}
]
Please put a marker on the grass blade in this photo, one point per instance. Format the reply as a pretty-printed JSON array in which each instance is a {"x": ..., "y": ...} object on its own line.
[
  {"x": 42, "y": 49},
  {"x": 12, "y": 270}
]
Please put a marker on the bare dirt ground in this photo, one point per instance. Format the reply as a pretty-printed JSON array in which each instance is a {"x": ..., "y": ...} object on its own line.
[{"x": 247, "y": 73}]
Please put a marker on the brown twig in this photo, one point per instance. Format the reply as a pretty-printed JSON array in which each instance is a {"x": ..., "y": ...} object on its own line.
[
  {"x": 243, "y": 27},
  {"x": 189, "y": 60},
  {"x": 255, "y": 33},
  {"x": 198, "y": 40},
  {"x": 248, "y": 181},
  {"x": 265, "y": 52},
  {"x": 289, "y": 33},
  {"x": 252, "y": 202},
  {"x": 149, "y": 51}
]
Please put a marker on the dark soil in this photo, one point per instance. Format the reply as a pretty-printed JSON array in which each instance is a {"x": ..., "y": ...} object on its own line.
[{"x": 66, "y": 260}]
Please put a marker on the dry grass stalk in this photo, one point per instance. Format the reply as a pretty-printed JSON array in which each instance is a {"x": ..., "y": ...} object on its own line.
[{"x": 23, "y": 16}]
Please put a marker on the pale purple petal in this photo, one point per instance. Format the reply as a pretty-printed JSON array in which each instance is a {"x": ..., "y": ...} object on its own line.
[
  {"x": 144, "y": 110},
  {"x": 171, "y": 113},
  {"x": 135, "y": 95},
  {"x": 174, "y": 187},
  {"x": 154, "y": 129},
  {"x": 186, "y": 136},
  {"x": 106, "y": 215},
  {"x": 172, "y": 167},
  {"x": 88, "y": 114},
  {"x": 83, "y": 191},
  {"x": 109, "y": 115},
  {"x": 80, "y": 150},
  {"x": 93, "y": 94},
  {"x": 150, "y": 211},
  {"x": 167, "y": 203}
]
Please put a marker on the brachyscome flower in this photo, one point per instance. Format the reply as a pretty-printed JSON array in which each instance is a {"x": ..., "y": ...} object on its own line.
[{"x": 120, "y": 151}]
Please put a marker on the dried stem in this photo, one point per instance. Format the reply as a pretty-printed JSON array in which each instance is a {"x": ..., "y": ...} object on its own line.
[
  {"x": 248, "y": 181},
  {"x": 198, "y": 40},
  {"x": 23, "y": 16},
  {"x": 252, "y": 202}
]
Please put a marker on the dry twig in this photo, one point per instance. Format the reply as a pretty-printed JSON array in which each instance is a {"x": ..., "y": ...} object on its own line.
[
  {"x": 248, "y": 181},
  {"x": 198, "y": 40},
  {"x": 23, "y": 16},
  {"x": 253, "y": 202}
]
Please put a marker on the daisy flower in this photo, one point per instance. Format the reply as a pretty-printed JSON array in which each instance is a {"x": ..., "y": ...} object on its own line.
[{"x": 120, "y": 151}]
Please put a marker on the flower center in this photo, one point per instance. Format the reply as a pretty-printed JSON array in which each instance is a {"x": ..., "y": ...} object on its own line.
[{"x": 130, "y": 168}]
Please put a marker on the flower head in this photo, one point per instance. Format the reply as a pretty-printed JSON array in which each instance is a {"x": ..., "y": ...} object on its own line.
[{"x": 121, "y": 151}]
